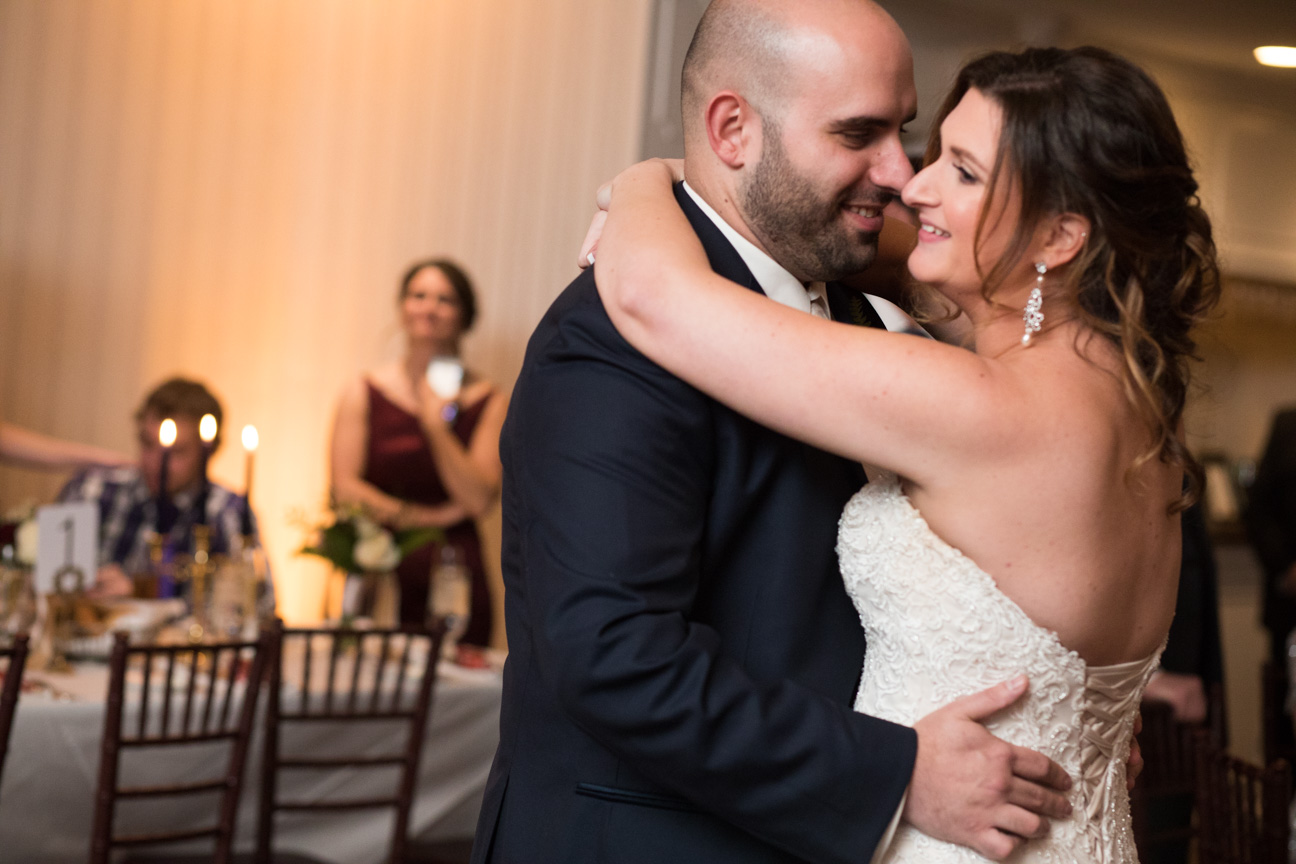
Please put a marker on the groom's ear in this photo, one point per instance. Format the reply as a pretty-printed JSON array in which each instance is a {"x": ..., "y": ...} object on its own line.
[{"x": 733, "y": 129}]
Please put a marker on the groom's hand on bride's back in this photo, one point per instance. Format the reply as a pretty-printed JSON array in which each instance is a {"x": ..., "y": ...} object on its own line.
[{"x": 971, "y": 788}]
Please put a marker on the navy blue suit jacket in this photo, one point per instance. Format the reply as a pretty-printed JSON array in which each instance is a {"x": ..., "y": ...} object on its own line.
[{"x": 683, "y": 655}]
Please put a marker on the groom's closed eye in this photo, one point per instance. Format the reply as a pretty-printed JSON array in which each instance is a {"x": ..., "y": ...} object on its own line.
[{"x": 860, "y": 132}]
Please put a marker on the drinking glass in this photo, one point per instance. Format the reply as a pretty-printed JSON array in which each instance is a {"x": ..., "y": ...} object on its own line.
[{"x": 451, "y": 597}]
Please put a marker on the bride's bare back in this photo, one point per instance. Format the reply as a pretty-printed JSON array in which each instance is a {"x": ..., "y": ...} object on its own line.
[{"x": 1081, "y": 542}]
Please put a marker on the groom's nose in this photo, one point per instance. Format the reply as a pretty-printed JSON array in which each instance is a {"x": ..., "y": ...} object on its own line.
[{"x": 891, "y": 169}]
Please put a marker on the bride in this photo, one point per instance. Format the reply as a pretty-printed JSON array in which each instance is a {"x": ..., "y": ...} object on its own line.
[{"x": 1024, "y": 509}]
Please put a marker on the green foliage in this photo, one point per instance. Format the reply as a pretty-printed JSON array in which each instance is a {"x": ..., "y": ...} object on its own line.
[{"x": 336, "y": 542}]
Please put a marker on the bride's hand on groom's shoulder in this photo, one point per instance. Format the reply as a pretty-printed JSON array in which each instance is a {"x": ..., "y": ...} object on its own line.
[
  {"x": 603, "y": 200},
  {"x": 973, "y": 789}
]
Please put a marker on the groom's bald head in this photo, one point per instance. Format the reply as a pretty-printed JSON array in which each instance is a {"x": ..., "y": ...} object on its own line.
[
  {"x": 757, "y": 47},
  {"x": 738, "y": 45},
  {"x": 793, "y": 111}
]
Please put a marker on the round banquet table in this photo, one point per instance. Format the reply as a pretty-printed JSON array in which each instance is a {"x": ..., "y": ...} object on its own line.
[{"x": 47, "y": 794}]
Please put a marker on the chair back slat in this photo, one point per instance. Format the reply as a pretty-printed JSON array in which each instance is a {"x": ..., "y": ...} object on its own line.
[
  {"x": 401, "y": 669},
  {"x": 144, "y": 697},
  {"x": 335, "y": 648},
  {"x": 168, "y": 693},
  {"x": 385, "y": 648},
  {"x": 306, "y": 673},
  {"x": 16, "y": 654},
  {"x": 202, "y": 671},
  {"x": 234, "y": 668},
  {"x": 369, "y": 691},
  {"x": 353, "y": 691},
  {"x": 186, "y": 716},
  {"x": 209, "y": 698}
]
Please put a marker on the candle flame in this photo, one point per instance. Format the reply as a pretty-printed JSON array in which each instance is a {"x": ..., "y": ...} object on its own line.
[
  {"x": 250, "y": 438},
  {"x": 1282, "y": 56},
  {"x": 167, "y": 432},
  {"x": 207, "y": 428}
]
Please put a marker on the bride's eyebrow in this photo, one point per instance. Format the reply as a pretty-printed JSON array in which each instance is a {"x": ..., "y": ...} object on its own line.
[{"x": 964, "y": 156}]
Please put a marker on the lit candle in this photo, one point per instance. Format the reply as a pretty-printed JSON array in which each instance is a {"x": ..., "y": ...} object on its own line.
[
  {"x": 250, "y": 442},
  {"x": 207, "y": 432},
  {"x": 167, "y": 438}
]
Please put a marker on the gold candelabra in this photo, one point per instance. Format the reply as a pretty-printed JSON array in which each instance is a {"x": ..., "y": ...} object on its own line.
[{"x": 197, "y": 571}]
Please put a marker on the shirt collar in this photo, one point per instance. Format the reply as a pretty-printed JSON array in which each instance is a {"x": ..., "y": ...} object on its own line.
[{"x": 774, "y": 279}]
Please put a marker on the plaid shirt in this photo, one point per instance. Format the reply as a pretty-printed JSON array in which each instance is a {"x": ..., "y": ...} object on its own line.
[{"x": 128, "y": 514}]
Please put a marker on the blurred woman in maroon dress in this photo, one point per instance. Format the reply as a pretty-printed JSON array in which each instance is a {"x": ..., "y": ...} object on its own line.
[{"x": 413, "y": 458}]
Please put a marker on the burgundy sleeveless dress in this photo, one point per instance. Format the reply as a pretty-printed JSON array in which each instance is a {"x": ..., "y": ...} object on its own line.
[{"x": 399, "y": 462}]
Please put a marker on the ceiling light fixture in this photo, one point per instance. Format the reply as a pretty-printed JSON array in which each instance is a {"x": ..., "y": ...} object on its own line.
[{"x": 1277, "y": 55}]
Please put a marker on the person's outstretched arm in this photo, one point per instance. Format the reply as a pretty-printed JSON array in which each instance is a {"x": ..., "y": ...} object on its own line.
[{"x": 34, "y": 450}]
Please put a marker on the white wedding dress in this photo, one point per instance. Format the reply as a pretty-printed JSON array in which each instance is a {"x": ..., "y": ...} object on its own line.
[{"x": 939, "y": 628}]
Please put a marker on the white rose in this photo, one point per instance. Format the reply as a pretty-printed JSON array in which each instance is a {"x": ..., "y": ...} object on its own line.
[
  {"x": 367, "y": 528},
  {"x": 26, "y": 542},
  {"x": 376, "y": 552}
]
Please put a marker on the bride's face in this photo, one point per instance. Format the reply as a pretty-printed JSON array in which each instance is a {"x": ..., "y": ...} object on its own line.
[{"x": 949, "y": 195}]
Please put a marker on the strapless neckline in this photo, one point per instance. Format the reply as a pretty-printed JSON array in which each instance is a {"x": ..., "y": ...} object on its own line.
[
  {"x": 939, "y": 628},
  {"x": 888, "y": 480}
]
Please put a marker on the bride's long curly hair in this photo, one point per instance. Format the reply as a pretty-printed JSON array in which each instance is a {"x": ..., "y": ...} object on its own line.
[{"x": 1085, "y": 131}]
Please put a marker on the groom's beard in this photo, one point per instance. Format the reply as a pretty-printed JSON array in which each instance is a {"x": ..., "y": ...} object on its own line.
[{"x": 803, "y": 229}]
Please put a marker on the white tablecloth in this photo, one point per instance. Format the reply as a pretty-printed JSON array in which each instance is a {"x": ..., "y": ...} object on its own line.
[{"x": 46, "y": 799}]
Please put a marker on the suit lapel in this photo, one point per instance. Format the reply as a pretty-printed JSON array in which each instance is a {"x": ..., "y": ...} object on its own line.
[{"x": 724, "y": 258}]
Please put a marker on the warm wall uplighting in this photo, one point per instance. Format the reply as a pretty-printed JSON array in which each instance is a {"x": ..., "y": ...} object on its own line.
[{"x": 1277, "y": 55}]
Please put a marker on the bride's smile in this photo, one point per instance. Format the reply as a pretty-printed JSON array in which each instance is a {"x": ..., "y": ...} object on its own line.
[{"x": 956, "y": 244}]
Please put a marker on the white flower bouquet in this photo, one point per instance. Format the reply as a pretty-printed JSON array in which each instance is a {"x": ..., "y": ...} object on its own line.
[{"x": 355, "y": 543}]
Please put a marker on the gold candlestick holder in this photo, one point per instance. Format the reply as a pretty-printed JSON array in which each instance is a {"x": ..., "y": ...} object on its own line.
[
  {"x": 197, "y": 570},
  {"x": 69, "y": 589},
  {"x": 146, "y": 584}
]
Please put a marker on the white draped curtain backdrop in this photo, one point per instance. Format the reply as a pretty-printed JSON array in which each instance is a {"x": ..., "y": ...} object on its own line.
[{"x": 229, "y": 189}]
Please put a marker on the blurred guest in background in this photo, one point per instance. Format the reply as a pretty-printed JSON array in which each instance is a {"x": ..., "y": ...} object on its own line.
[
  {"x": 1192, "y": 664},
  {"x": 1192, "y": 668},
  {"x": 133, "y": 502},
  {"x": 1271, "y": 525},
  {"x": 29, "y": 449},
  {"x": 414, "y": 458}
]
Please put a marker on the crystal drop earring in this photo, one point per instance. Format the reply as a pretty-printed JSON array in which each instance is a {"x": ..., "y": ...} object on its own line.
[{"x": 1034, "y": 316}]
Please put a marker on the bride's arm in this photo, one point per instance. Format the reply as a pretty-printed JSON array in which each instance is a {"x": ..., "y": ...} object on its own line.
[{"x": 912, "y": 405}]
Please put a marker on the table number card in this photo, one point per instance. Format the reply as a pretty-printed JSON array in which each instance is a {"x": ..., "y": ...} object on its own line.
[{"x": 69, "y": 545}]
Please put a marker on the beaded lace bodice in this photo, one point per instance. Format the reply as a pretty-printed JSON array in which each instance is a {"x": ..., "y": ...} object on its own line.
[{"x": 939, "y": 628}]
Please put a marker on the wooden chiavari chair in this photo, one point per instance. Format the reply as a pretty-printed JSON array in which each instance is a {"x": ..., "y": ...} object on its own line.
[
  {"x": 186, "y": 695},
  {"x": 16, "y": 654},
  {"x": 1242, "y": 809},
  {"x": 345, "y": 677},
  {"x": 1162, "y": 800}
]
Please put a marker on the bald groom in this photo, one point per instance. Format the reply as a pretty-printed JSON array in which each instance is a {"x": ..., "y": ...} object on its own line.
[{"x": 683, "y": 654}]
